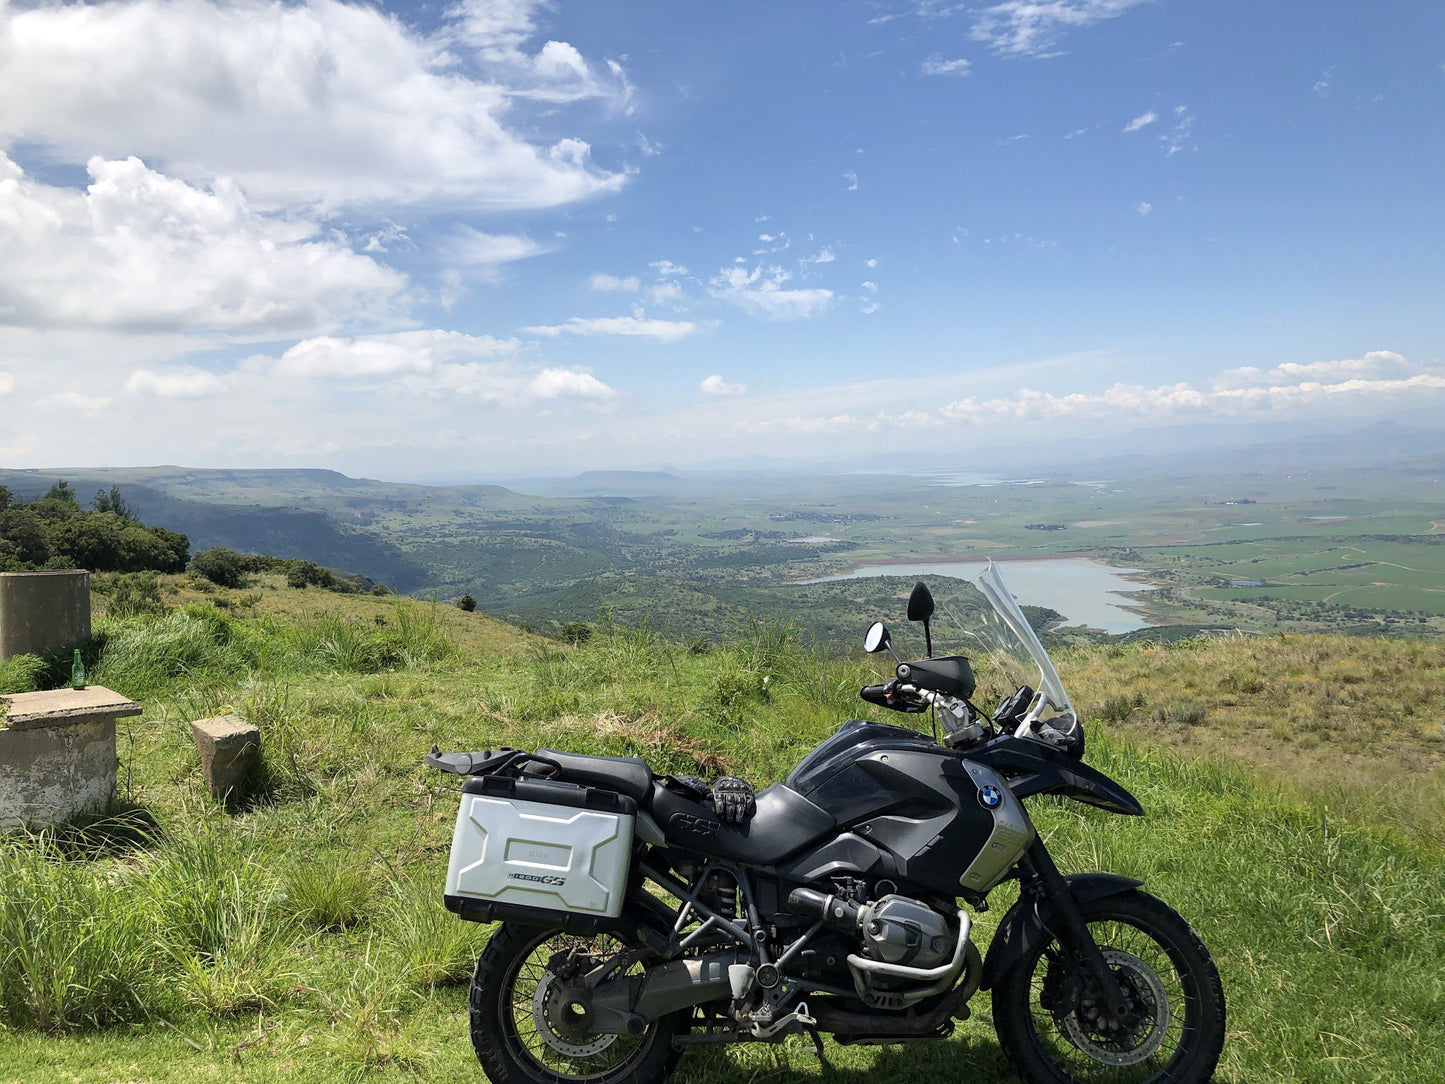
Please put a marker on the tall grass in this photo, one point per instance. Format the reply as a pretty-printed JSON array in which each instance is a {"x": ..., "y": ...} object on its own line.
[{"x": 75, "y": 951}]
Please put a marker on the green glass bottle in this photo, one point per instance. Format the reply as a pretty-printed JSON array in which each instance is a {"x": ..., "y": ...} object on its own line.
[{"x": 77, "y": 672}]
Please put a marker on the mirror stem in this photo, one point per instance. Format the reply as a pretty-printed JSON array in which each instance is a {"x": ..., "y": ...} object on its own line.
[{"x": 927, "y": 640}]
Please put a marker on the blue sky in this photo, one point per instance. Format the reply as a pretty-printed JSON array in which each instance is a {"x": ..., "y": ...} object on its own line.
[{"x": 507, "y": 237}]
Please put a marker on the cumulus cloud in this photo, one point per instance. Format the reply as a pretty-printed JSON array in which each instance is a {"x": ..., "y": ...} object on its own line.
[
  {"x": 1143, "y": 120},
  {"x": 1377, "y": 378},
  {"x": 177, "y": 382},
  {"x": 667, "y": 292},
  {"x": 605, "y": 282},
  {"x": 320, "y": 102},
  {"x": 433, "y": 363},
  {"x": 635, "y": 326},
  {"x": 762, "y": 292},
  {"x": 1018, "y": 28},
  {"x": 7, "y": 383},
  {"x": 852, "y": 179},
  {"x": 1145, "y": 209},
  {"x": 138, "y": 250},
  {"x": 716, "y": 385},
  {"x": 936, "y": 65},
  {"x": 1375, "y": 365}
]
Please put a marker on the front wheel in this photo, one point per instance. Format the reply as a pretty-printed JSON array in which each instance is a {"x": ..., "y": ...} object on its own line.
[
  {"x": 1053, "y": 1032},
  {"x": 526, "y": 1030}
]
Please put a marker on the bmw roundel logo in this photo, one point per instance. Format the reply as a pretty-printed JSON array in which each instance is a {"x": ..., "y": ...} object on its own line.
[{"x": 990, "y": 796}]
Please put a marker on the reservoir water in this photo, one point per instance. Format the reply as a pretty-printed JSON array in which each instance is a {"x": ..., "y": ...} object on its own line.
[{"x": 1085, "y": 592}]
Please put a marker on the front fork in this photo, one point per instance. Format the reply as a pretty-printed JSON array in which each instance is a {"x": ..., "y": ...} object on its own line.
[{"x": 1063, "y": 918}]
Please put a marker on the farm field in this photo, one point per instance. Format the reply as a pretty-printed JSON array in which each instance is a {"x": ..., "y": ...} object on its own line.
[{"x": 1282, "y": 549}]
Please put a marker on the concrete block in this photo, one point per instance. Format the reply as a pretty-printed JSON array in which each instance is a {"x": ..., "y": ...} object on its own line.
[
  {"x": 43, "y": 612},
  {"x": 230, "y": 751},
  {"x": 57, "y": 754}
]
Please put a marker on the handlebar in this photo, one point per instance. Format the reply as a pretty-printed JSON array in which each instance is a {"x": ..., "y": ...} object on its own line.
[{"x": 895, "y": 696}]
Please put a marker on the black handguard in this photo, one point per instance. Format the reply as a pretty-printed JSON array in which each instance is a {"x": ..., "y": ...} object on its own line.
[{"x": 734, "y": 800}]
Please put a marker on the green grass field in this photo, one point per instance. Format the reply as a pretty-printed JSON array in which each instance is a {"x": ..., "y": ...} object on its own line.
[{"x": 1293, "y": 787}]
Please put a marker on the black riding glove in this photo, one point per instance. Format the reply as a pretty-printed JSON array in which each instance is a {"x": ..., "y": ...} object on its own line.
[
  {"x": 690, "y": 786},
  {"x": 733, "y": 799}
]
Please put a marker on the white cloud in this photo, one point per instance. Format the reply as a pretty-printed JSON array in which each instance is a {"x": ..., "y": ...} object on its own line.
[
  {"x": 1177, "y": 138},
  {"x": 871, "y": 287},
  {"x": 1143, "y": 120},
  {"x": 475, "y": 248},
  {"x": 1350, "y": 385},
  {"x": 430, "y": 363},
  {"x": 138, "y": 251},
  {"x": 1145, "y": 209},
  {"x": 178, "y": 382},
  {"x": 667, "y": 269},
  {"x": 1018, "y": 28},
  {"x": 1376, "y": 365},
  {"x": 7, "y": 383},
  {"x": 636, "y": 326},
  {"x": 761, "y": 292},
  {"x": 716, "y": 385},
  {"x": 320, "y": 102},
  {"x": 666, "y": 293},
  {"x": 824, "y": 256},
  {"x": 604, "y": 282},
  {"x": 1322, "y": 86},
  {"x": 870, "y": 264},
  {"x": 852, "y": 179},
  {"x": 936, "y": 65}
]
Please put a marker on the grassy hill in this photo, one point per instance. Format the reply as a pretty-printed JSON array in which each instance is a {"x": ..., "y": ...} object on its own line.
[{"x": 1293, "y": 785}]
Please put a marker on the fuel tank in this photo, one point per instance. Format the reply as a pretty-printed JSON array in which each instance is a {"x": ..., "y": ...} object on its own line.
[{"x": 910, "y": 809}]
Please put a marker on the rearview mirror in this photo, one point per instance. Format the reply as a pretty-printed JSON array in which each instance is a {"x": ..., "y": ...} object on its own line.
[
  {"x": 876, "y": 639},
  {"x": 920, "y": 602}
]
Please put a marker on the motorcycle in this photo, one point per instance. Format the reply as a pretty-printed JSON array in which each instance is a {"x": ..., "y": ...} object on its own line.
[{"x": 642, "y": 914}]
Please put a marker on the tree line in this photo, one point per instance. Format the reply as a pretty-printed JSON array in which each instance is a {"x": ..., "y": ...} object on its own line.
[{"x": 57, "y": 532}]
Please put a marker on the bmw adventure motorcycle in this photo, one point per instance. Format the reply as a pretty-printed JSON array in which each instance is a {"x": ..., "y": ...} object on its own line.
[{"x": 644, "y": 913}]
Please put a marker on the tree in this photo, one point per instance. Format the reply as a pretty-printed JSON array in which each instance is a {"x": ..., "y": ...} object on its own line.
[
  {"x": 467, "y": 603},
  {"x": 111, "y": 501},
  {"x": 61, "y": 493}
]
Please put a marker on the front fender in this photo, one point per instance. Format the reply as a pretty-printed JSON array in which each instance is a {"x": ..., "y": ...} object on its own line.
[{"x": 1026, "y": 923}]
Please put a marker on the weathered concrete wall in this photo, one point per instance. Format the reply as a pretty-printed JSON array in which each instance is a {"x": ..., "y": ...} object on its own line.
[
  {"x": 52, "y": 774},
  {"x": 57, "y": 754},
  {"x": 43, "y": 612}
]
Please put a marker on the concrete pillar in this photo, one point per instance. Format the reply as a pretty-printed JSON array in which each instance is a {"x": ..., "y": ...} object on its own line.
[
  {"x": 57, "y": 754},
  {"x": 43, "y": 612},
  {"x": 230, "y": 751}
]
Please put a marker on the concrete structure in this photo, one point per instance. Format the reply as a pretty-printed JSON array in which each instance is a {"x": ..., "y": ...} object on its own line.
[
  {"x": 230, "y": 751},
  {"x": 43, "y": 612},
  {"x": 57, "y": 754}
]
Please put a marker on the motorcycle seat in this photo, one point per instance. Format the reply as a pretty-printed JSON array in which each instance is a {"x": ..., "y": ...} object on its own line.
[
  {"x": 625, "y": 775},
  {"x": 785, "y": 822}
]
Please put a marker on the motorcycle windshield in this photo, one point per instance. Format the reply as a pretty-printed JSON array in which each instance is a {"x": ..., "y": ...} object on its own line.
[{"x": 986, "y": 623}]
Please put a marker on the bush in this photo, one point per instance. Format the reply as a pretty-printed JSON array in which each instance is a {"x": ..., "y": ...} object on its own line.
[
  {"x": 467, "y": 603},
  {"x": 136, "y": 593},
  {"x": 223, "y": 567},
  {"x": 576, "y": 632}
]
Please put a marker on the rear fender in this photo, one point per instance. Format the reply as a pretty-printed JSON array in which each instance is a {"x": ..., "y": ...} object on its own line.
[{"x": 1026, "y": 924}]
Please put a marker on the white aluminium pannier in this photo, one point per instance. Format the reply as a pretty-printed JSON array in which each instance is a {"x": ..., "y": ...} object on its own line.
[{"x": 526, "y": 846}]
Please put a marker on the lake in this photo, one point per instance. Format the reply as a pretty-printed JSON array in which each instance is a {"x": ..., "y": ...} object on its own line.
[{"x": 1085, "y": 592}]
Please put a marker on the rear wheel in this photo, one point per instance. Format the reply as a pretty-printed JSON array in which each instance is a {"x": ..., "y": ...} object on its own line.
[
  {"x": 526, "y": 1031},
  {"x": 1054, "y": 1032}
]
